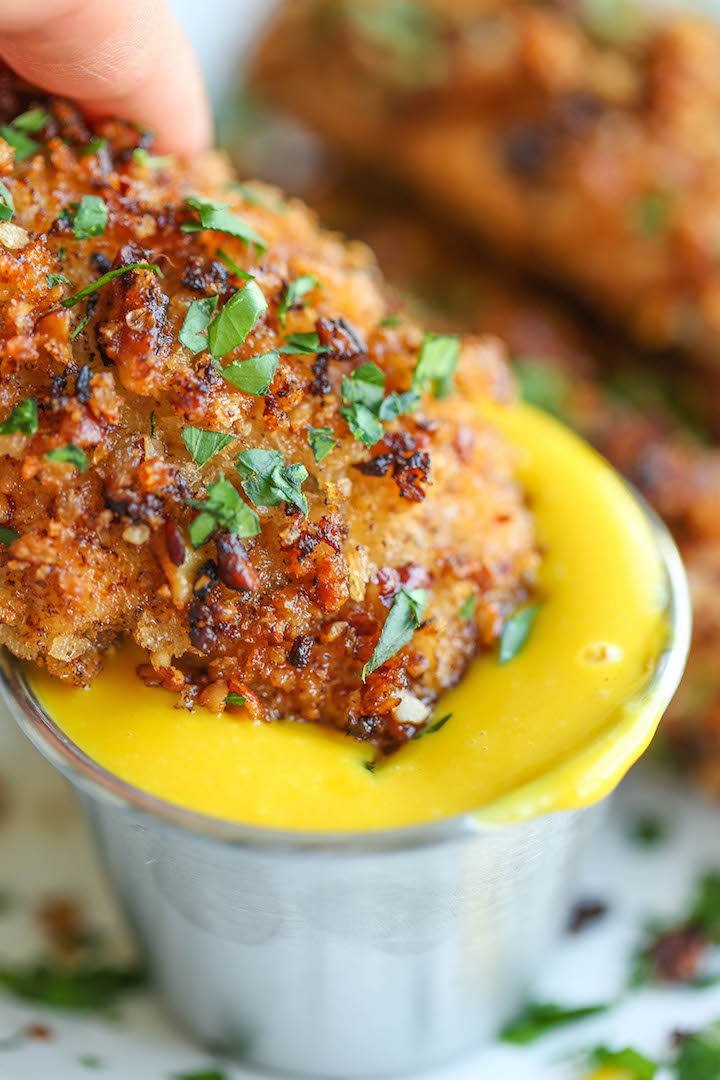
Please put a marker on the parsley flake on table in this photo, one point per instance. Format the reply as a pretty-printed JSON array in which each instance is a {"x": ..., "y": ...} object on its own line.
[
  {"x": 403, "y": 620},
  {"x": 218, "y": 217},
  {"x": 71, "y": 301},
  {"x": 6, "y": 537},
  {"x": 199, "y": 315},
  {"x": 436, "y": 364},
  {"x": 254, "y": 375},
  {"x": 267, "y": 481},
  {"x": 699, "y": 1055},
  {"x": 235, "y": 320},
  {"x": 516, "y": 631},
  {"x": 223, "y": 508},
  {"x": 321, "y": 442},
  {"x": 294, "y": 293},
  {"x": 69, "y": 455},
  {"x": 204, "y": 1074},
  {"x": 202, "y": 444},
  {"x": 7, "y": 206},
  {"x": 235, "y": 699},
  {"x": 91, "y": 988},
  {"x": 90, "y": 218},
  {"x": 539, "y": 1017},
  {"x": 23, "y": 419},
  {"x": 629, "y": 1062}
]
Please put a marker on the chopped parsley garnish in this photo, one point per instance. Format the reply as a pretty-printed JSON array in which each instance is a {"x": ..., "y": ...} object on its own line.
[
  {"x": 16, "y": 132},
  {"x": 438, "y": 359},
  {"x": 542, "y": 384},
  {"x": 300, "y": 344},
  {"x": 267, "y": 481},
  {"x": 629, "y": 1062},
  {"x": 395, "y": 405},
  {"x": 403, "y": 620},
  {"x": 7, "y": 535},
  {"x": 219, "y": 217},
  {"x": 321, "y": 442},
  {"x": 254, "y": 375},
  {"x": 538, "y": 1018},
  {"x": 92, "y": 147},
  {"x": 223, "y": 508},
  {"x": 71, "y": 301},
  {"x": 295, "y": 291},
  {"x": 57, "y": 279},
  {"x": 69, "y": 455},
  {"x": 705, "y": 910},
  {"x": 652, "y": 213},
  {"x": 364, "y": 386},
  {"x": 90, "y": 1061},
  {"x": 91, "y": 988},
  {"x": 202, "y": 445},
  {"x": 435, "y": 726},
  {"x": 235, "y": 699},
  {"x": 516, "y": 631},
  {"x": 467, "y": 608},
  {"x": 91, "y": 217},
  {"x": 232, "y": 265},
  {"x": 80, "y": 327},
  {"x": 648, "y": 831},
  {"x": 7, "y": 206},
  {"x": 205, "y": 1074},
  {"x": 364, "y": 425},
  {"x": 235, "y": 320},
  {"x": 405, "y": 32},
  {"x": 199, "y": 315},
  {"x": 152, "y": 424},
  {"x": 369, "y": 766},
  {"x": 390, "y": 320},
  {"x": 23, "y": 419},
  {"x": 152, "y": 161},
  {"x": 258, "y": 198},
  {"x": 699, "y": 1055}
]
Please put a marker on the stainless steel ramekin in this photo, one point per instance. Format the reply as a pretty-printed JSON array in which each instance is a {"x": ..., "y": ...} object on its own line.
[{"x": 338, "y": 955}]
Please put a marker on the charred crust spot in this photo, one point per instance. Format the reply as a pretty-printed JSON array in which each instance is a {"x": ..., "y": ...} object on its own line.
[
  {"x": 202, "y": 632},
  {"x": 320, "y": 385},
  {"x": 58, "y": 386},
  {"x": 340, "y": 339},
  {"x": 299, "y": 655},
  {"x": 100, "y": 263},
  {"x": 139, "y": 507},
  {"x": 206, "y": 579},
  {"x": 203, "y": 276},
  {"x": 235, "y": 569},
  {"x": 410, "y": 467},
  {"x": 528, "y": 151},
  {"x": 82, "y": 384},
  {"x": 174, "y": 543}
]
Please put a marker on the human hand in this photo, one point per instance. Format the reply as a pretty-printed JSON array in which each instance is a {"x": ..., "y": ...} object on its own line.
[{"x": 126, "y": 58}]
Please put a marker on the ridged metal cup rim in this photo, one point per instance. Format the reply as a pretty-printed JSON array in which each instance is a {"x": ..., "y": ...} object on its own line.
[{"x": 92, "y": 779}]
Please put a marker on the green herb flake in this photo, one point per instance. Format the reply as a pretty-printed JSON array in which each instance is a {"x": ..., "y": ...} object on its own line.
[
  {"x": 302, "y": 344},
  {"x": 516, "y": 631},
  {"x": 91, "y": 217},
  {"x": 699, "y": 1055},
  {"x": 235, "y": 320},
  {"x": 32, "y": 120},
  {"x": 438, "y": 359},
  {"x": 705, "y": 909},
  {"x": 629, "y": 1062},
  {"x": 651, "y": 215},
  {"x": 433, "y": 727},
  {"x": 80, "y": 327},
  {"x": 90, "y": 1061},
  {"x": 220, "y": 218},
  {"x": 152, "y": 161},
  {"x": 364, "y": 386},
  {"x": 7, "y": 206},
  {"x": 235, "y": 699},
  {"x": 152, "y": 424},
  {"x": 267, "y": 481},
  {"x": 71, "y": 301},
  {"x": 233, "y": 266},
  {"x": 203, "y": 445},
  {"x": 223, "y": 508},
  {"x": 539, "y": 1018},
  {"x": 6, "y": 537},
  {"x": 468, "y": 606},
  {"x": 23, "y": 419},
  {"x": 92, "y": 147},
  {"x": 369, "y": 766},
  {"x": 389, "y": 320},
  {"x": 321, "y": 442},
  {"x": 16, "y": 133},
  {"x": 396, "y": 405},
  {"x": 254, "y": 375},
  {"x": 648, "y": 831},
  {"x": 90, "y": 988},
  {"x": 204, "y": 1074},
  {"x": 199, "y": 315},
  {"x": 364, "y": 425},
  {"x": 294, "y": 293},
  {"x": 403, "y": 620},
  {"x": 542, "y": 385},
  {"x": 69, "y": 455},
  {"x": 256, "y": 197},
  {"x": 57, "y": 279}
]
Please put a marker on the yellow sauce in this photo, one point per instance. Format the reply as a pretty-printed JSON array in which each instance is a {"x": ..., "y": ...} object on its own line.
[{"x": 556, "y": 727}]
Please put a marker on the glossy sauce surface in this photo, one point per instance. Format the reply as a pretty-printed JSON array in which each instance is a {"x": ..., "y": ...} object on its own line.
[{"x": 556, "y": 727}]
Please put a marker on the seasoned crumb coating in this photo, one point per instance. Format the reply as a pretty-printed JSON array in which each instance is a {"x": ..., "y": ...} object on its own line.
[
  {"x": 581, "y": 141},
  {"x": 251, "y": 503}
]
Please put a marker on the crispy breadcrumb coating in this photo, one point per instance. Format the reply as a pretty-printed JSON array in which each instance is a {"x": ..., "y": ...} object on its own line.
[
  {"x": 581, "y": 140},
  {"x": 122, "y": 516}
]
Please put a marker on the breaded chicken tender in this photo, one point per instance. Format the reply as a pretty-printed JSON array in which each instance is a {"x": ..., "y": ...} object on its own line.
[
  {"x": 582, "y": 141},
  {"x": 220, "y": 440}
]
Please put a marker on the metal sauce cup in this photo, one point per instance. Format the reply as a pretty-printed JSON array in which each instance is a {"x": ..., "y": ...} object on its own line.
[{"x": 340, "y": 954}]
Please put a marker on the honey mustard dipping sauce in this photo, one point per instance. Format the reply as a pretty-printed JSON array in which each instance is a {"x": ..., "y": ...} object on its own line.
[{"x": 554, "y": 728}]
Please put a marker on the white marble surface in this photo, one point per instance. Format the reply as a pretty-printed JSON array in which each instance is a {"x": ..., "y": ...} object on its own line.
[{"x": 44, "y": 851}]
